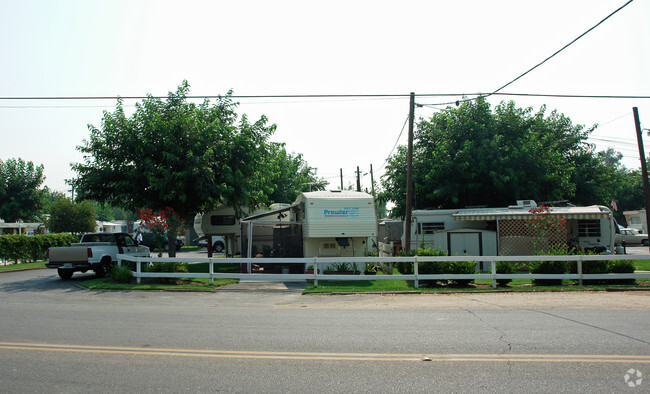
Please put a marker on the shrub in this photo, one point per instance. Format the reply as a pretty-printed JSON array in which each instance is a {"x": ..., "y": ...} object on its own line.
[
  {"x": 621, "y": 267},
  {"x": 167, "y": 267},
  {"x": 547, "y": 267},
  {"x": 462, "y": 267},
  {"x": 589, "y": 267},
  {"x": 506, "y": 267},
  {"x": 121, "y": 274}
]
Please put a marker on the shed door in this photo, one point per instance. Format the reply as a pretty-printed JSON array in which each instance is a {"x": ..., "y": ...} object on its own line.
[{"x": 461, "y": 244}]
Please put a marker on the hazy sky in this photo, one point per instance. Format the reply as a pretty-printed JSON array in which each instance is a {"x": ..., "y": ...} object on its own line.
[{"x": 132, "y": 48}]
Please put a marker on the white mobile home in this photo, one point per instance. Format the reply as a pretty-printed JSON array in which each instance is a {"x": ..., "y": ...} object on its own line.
[{"x": 504, "y": 231}]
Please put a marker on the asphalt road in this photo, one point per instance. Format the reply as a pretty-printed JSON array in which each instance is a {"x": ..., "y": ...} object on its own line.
[{"x": 57, "y": 337}]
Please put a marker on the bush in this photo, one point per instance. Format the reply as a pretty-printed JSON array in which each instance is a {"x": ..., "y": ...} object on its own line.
[
  {"x": 589, "y": 267},
  {"x": 462, "y": 267},
  {"x": 167, "y": 267},
  {"x": 506, "y": 267},
  {"x": 547, "y": 267},
  {"x": 121, "y": 274},
  {"x": 621, "y": 267},
  {"x": 31, "y": 248}
]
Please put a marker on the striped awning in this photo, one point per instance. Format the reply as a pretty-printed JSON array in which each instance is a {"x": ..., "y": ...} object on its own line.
[{"x": 523, "y": 216}]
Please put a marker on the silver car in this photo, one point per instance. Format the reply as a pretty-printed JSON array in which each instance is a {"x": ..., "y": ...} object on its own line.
[{"x": 631, "y": 236}]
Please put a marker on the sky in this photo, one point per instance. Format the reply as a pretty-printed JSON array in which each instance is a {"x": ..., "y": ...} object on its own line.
[{"x": 128, "y": 48}]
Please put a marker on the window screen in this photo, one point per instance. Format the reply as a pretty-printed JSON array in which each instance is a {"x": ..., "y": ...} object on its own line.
[{"x": 588, "y": 228}]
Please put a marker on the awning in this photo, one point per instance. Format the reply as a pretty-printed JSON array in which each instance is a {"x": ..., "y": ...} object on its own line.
[
  {"x": 269, "y": 213},
  {"x": 524, "y": 216}
]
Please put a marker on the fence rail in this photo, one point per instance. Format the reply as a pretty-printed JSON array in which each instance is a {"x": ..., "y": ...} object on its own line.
[{"x": 416, "y": 277}]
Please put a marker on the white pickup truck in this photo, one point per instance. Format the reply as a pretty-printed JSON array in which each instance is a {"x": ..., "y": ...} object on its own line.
[{"x": 96, "y": 251}]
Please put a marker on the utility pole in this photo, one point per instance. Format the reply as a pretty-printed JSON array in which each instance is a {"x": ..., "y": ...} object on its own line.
[
  {"x": 372, "y": 182},
  {"x": 409, "y": 178},
  {"x": 358, "y": 179},
  {"x": 644, "y": 167},
  {"x": 341, "y": 179}
]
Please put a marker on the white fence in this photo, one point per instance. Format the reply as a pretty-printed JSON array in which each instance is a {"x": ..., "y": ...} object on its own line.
[{"x": 415, "y": 277}]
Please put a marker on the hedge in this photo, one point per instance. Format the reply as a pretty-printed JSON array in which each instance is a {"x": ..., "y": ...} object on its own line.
[{"x": 26, "y": 248}]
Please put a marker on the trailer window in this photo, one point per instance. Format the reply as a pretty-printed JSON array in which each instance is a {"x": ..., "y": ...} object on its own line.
[
  {"x": 429, "y": 228},
  {"x": 588, "y": 228},
  {"x": 222, "y": 220}
]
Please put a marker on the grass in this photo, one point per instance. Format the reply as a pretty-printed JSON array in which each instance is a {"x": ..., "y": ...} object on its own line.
[
  {"x": 642, "y": 265},
  {"x": 106, "y": 284},
  {"x": 11, "y": 267}
]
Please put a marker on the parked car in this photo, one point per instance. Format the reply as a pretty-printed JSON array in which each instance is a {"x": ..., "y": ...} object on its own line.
[
  {"x": 631, "y": 236},
  {"x": 148, "y": 239},
  {"x": 218, "y": 243}
]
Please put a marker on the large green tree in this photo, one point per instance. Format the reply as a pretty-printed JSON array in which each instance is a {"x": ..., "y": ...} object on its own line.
[
  {"x": 471, "y": 155},
  {"x": 175, "y": 153},
  {"x": 20, "y": 194},
  {"x": 290, "y": 175},
  {"x": 67, "y": 216}
]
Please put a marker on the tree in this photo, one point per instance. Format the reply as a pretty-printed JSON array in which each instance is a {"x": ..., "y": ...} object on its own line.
[
  {"x": 67, "y": 216},
  {"x": 173, "y": 153},
  {"x": 290, "y": 175},
  {"x": 20, "y": 196},
  {"x": 471, "y": 155}
]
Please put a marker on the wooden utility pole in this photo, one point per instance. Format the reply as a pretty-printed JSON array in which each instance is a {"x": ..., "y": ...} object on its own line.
[
  {"x": 409, "y": 178},
  {"x": 644, "y": 167},
  {"x": 372, "y": 181},
  {"x": 358, "y": 179},
  {"x": 341, "y": 179}
]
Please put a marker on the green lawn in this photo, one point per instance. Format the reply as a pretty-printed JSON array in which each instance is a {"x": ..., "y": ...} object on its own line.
[
  {"x": 10, "y": 267},
  {"x": 642, "y": 265}
]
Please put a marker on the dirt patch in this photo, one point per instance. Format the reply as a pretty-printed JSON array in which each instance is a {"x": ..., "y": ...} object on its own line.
[{"x": 507, "y": 300}]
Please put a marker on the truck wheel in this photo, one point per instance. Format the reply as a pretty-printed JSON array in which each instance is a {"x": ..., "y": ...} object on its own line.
[
  {"x": 218, "y": 247},
  {"x": 65, "y": 274},
  {"x": 104, "y": 268},
  {"x": 645, "y": 242}
]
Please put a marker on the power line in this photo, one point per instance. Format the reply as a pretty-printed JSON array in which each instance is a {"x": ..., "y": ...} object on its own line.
[
  {"x": 396, "y": 142},
  {"x": 366, "y": 96},
  {"x": 543, "y": 61}
]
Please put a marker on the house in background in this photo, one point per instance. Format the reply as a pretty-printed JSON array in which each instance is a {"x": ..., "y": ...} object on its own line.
[{"x": 637, "y": 220}]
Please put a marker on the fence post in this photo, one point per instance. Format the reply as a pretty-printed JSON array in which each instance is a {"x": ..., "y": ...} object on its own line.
[
  {"x": 138, "y": 269},
  {"x": 416, "y": 270},
  {"x": 579, "y": 270},
  {"x": 315, "y": 272},
  {"x": 211, "y": 272},
  {"x": 493, "y": 271}
]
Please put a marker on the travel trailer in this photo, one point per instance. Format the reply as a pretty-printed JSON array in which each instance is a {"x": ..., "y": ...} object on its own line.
[
  {"x": 504, "y": 231},
  {"x": 318, "y": 224},
  {"x": 223, "y": 222}
]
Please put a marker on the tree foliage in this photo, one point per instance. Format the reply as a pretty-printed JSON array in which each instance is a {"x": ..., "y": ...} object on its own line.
[
  {"x": 473, "y": 156},
  {"x": 290, "y": 175},
  {"x": 67, "y": 216},
  {"x": 20, "y": 193},
  {"x": 174, "y": 153}
]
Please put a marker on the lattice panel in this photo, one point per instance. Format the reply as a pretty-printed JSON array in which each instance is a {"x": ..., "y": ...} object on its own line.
[{"x": 518, "y": 239}]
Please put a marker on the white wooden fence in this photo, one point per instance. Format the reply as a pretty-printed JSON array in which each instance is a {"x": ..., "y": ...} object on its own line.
[{"x": 415, "y": 277}]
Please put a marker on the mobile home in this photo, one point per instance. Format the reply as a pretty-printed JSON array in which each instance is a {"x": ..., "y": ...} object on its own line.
[{"x": 504, "y": 231}]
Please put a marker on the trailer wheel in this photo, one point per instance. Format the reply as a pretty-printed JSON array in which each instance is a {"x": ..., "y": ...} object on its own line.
[{"x": 65, "y": 274}]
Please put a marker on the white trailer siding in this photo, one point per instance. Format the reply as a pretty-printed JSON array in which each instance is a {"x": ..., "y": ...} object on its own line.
[{"x": 338, "y": 214}]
